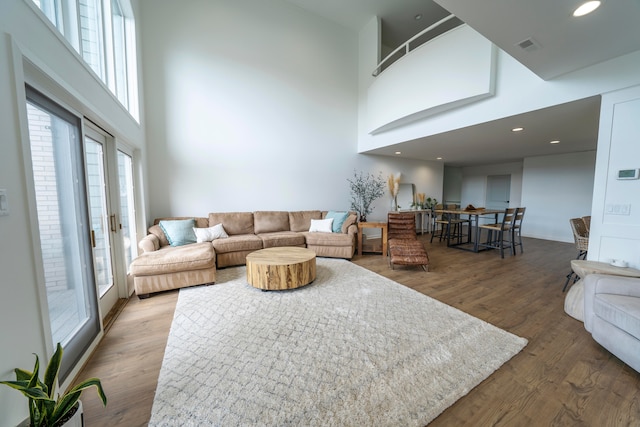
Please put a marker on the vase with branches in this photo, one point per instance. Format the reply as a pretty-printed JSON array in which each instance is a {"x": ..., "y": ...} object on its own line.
[
  {"x": 365, "y": 188},
  {"x": 393, "y": 182}
]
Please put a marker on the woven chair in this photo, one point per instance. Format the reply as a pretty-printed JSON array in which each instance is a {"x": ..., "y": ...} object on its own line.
[
  {"x": 587, "y": 223},
  {"x": 516, "y": 231},
  {"x": 503, "y": 233},
  {"x": 403, "y": 246},
  {"x": 581, "y": 238}
]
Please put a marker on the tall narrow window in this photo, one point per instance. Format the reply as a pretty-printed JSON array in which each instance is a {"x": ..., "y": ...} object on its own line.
[
  {"x": 63, "y": 222},
  {"x": 120, "y": 51},
  {"x": 92, "y": 35}
]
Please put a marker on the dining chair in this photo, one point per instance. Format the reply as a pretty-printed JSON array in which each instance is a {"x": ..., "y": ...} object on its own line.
[
  {"x": 451, "y": 225},
  {"x": 581, "y": 239},
  {"x": 516, "y": 230},
  {"x": 440, "y": 222},
  {"x": 503, "y": 232}
]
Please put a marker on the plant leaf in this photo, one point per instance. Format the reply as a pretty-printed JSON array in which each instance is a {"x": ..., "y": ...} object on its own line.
[
  {"x": 91, "y": 382},
  {"x": 33, "y": 381},
  {"x": 51, "y": 374}
]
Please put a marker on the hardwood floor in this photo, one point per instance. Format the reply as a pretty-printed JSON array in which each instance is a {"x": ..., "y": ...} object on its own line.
[{"x": 561, "y": 378}]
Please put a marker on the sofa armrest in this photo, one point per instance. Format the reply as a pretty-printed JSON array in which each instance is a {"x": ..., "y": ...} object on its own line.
[
  {"x": 606, "y": 284},
  {"x": 352, "y": 230},
  {"x": 149, "y": 243}
]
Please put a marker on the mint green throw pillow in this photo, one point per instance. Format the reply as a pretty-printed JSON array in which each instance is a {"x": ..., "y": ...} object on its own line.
[
  {"x": 179, "y": 232},
  {"x": 338, "y": 220}
]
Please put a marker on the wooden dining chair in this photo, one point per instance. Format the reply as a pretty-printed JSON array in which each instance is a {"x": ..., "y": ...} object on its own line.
[
  {"x": 503, "y": 232},
  {"x": 516, "y": 230},
  {"x": 451, "y": 225}
]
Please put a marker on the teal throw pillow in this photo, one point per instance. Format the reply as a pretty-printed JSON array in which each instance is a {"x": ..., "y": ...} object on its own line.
[
  {"x": 179, "y": 232},
  {"x": 338, "y": 220}
]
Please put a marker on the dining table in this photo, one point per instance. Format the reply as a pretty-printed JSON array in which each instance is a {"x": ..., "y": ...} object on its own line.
[{"x": 474, "y": 216}]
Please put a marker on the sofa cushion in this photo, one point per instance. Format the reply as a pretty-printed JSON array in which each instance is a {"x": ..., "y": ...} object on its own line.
[
  {"x": 171, "y": 259},
  {"x": 351, "y": 220},
  {"x": 328, "y": 239},
  {"x": 238, "y": 242},
  {"x": 301, "y": 220},
  {"x": 157, "y": 231},
  {"x": 270, "y": 221},
  {"x": 179, "y": 232},
  {"x": 321, "y": 225},
  {"x": 338, "y": 220},
  {"x": 233, "y": 222},
  {"x": 210, "y": 234},
  {"x": 282, "y": 238},
  {"x": 622, "y": 311}
]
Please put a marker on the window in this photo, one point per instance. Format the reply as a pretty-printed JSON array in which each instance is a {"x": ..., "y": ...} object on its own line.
[
  {"x": 92, "y": 36},
  {"x": 103, "y": 33}
]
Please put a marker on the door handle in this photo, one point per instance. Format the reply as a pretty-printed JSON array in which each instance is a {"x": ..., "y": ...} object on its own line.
[
  {"x": 112, "y": 222},
  {"x": 93, "y": 238}
]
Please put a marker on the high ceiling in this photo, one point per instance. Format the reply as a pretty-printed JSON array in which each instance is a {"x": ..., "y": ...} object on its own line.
[{"x": 561, "y": 44}]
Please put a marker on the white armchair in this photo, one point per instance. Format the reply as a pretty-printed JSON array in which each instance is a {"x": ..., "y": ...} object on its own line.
[{"x": 612, "y": 315}]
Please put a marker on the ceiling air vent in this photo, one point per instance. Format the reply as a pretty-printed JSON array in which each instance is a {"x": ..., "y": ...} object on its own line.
[{"x": 529, "y": 45}]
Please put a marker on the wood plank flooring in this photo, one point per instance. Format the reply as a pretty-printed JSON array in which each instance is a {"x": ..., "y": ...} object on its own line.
[{"x": 561, "y": 378}]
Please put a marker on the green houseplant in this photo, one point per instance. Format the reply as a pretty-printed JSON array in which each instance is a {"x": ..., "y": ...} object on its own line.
[
  {"x": 44, "y": 409},
  {"x": 365, "y": 188}
]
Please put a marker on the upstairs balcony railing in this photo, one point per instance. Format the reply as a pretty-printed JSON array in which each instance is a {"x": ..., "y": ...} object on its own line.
[{"x": 405, "y": 48}]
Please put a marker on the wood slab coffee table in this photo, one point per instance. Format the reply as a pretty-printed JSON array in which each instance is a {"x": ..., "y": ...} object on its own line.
[{"x": 281, "y": 268}]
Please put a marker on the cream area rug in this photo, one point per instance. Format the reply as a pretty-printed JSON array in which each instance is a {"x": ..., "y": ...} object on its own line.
[{"x": 351, "y": 349}]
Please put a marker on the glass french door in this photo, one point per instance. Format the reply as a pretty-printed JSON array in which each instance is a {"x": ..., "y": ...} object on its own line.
[
  {"x": 57, "y": 156},
  {"x": 127, "y": 206},
  {"x": 103, "y": 222}
]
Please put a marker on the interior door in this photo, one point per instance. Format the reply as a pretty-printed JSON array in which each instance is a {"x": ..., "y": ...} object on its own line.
[
  {"x": 498, "y": 194},
  {"x": 498, "y": 191}
]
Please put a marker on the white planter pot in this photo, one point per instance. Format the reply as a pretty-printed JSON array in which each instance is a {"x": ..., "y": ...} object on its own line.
[{"x": 76, "y": 421}]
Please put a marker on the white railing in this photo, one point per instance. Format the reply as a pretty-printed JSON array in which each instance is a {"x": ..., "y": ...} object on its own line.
[{"x": 406, "y": 45}]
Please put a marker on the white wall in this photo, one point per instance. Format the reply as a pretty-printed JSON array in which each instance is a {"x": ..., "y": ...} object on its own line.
[
  {"x": 518, "y": 90},
  {"x": 252, "y": 105},
  {"x": 24, "y": 36},
  {"x": 474, "y": 183},
  {"x": 615, "y": 236},
  {"x": 555, "y": 189},
  {"x": 432, "y": 78}
]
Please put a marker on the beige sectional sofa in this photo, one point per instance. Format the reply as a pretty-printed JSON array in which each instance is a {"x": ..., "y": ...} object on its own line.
[{"x": 161, "y": 266}]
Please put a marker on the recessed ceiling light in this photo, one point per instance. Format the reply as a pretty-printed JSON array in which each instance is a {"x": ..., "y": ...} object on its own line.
[
  {"x": 517, "y": 129},
  {"x": 398, "y": 152},
  {"x": 438, "y": 158},
  {"x": 586, "y": 8},
  {"x": 555, "y": 141},
  {"x": 418, "y": 17}
]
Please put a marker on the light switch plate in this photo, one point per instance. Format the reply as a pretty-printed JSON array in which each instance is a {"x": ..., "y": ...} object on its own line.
[{"x": 4, "y": 202}]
